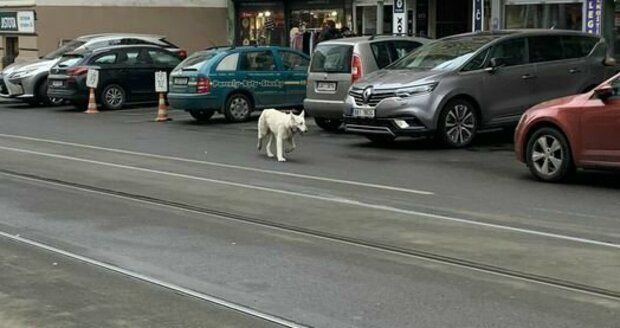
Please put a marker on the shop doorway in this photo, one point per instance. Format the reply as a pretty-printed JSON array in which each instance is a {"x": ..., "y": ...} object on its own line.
[
  {"x": 367, "y": 20},
  {"x": 453, "y": 17},
  {"x": 11, "y": 50}
]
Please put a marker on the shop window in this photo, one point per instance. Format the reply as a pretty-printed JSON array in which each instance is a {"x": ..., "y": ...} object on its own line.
[
  {"x": 564, "y": 16},
  {"x": 264, "y": 26},
  {"x": 257, "y": 61},
  {"x": 316, "y": 19},
  {"x": 545, "y": 48},
  {"x": 511, "y": 52}
]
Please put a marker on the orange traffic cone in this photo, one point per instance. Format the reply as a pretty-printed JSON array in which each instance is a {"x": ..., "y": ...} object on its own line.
[
  {"x": 162, "y": 111},
  {"x": 92, "y": 103}
]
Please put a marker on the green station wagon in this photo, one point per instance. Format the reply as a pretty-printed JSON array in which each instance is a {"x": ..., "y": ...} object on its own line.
[{"x": 238, "y": 80}]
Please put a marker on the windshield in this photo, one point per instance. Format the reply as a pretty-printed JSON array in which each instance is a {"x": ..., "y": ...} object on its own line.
[
  {"x": 194, "y": 61},
  {"x": 443, "y": 54},
  {"x": 69, "y": 47}
]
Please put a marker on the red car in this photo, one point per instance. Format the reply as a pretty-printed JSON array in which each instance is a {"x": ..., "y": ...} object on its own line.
[{"x": 582, "y": 131}]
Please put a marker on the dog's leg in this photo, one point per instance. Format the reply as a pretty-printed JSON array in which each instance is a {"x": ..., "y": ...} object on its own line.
[
  {"x": 290, "y": 145},
  {"x": 279, "y": 146},
  {"x": 259, "y": 146},
  {"x": 269, "y": 140}
]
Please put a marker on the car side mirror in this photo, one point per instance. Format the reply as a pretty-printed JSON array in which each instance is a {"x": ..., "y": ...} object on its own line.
[
  {"x": 495, "y": 64},
  {"x": 604, "y": 92},
  {"x": 609, "y": 61}
]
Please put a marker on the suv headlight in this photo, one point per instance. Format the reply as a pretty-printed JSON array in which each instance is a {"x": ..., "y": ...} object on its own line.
[
  {"x": 20, "y": 74},
  {"x": 416, "y": 90}
]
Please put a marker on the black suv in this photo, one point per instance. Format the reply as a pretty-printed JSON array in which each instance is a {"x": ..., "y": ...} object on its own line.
[{"x": 126, "y": 74}]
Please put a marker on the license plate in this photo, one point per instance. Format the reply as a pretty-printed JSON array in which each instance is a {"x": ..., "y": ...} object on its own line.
[
  {"x": 181, "y": 80},
  {"x": 326, "y": 86},
  {"x": 57, "y": 84},
  {"x": 363, "y": 112}
]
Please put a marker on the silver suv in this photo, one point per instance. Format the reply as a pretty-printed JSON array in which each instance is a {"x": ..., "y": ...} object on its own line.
[
  {"x": 458, "y": 85},
  {"x": 336, "y": 64},
  {"x": 27, "y": 81}
]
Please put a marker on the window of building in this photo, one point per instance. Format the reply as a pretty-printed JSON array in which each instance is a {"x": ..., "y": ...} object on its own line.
[
  {"x": 261, "y": 25},
  {"x": 561, "y": 16}
]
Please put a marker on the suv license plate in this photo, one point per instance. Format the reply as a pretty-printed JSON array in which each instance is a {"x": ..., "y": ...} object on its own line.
[
  {"x": 364, "y": 112},
  {"x": 57, "y": 84},
  {"x": 326, "y": 86},
  {"x": 181, "y": 80}
]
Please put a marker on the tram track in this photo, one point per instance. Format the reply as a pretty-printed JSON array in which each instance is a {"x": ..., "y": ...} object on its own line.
[{"x": 356, "y": 242}]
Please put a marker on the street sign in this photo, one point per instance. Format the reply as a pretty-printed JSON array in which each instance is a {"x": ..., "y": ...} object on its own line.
[
  {"x": 161, "y": 82},
  {"x": 478, "y": 15},
  {"x": 399, "y": 18},
  {"x": 594, "y": 13},
  {"x": 92, "y": 78},
  {"x": 17, "y": 22}
]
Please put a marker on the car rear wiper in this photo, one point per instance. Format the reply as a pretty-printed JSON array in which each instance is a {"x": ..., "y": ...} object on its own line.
[{"x": 189, "y": 69}]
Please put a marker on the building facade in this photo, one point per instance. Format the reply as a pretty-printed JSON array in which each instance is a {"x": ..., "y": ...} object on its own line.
[{"x": 32, "y": 28}]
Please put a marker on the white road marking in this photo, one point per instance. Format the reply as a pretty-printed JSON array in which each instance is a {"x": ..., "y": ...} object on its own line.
[
  {"x": 228, "y": 166},
  {"x": 336, "y": 200},
  {"x": 133, "y": 274}
]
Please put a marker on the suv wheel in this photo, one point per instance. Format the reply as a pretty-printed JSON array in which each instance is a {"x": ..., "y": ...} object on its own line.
[
  {"x": 113, "y": 97},
  {"x": 202, "y": 115},
  {"x": 458, "y": 124},
  {"x": 327, "y": 124},
  {"x": 238, "y": 108},
  {"x": 548, "y": 155}
]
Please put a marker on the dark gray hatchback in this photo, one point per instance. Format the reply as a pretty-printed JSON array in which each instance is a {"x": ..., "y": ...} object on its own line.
[{"x": 455, "y": 86}]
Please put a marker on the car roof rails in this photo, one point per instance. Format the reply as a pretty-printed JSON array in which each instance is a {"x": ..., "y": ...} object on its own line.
[{"x": 220, "y": 47}]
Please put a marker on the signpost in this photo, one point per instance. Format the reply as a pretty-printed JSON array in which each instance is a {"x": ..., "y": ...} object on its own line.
[
  {"x": 399, "y": 18},
  {"x": 92, "y": 80},
  {"x": 478, "y": 16},
  {"x": 161, "y": 87},
  {"x": 594, "y": 14}
]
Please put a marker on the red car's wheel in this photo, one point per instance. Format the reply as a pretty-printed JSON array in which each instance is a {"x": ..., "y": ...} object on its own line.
[{"x": 548, "y": 155}]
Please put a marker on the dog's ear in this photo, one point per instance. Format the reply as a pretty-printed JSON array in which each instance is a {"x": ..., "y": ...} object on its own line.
[{"x": 302, "y": 114}]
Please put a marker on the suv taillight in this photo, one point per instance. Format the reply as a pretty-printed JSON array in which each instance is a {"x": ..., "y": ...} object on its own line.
[
  {"x": 203, "y": 85},
  {"x": 356, "y": 68},
  {"x": 77, "y": 71}
]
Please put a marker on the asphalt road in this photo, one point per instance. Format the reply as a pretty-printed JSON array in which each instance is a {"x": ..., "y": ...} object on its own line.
[{"x": 344, "y": 234}]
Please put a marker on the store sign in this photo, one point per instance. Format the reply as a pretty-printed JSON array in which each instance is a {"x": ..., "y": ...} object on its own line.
[
  {"x": 594, "y": 16},
  {"x": 16, "y": 21},
  {"x": 399, "y": 17},
  {"x": 478, "y": 15}
]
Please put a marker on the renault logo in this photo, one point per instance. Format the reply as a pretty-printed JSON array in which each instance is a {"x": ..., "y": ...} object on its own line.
[{"x": 366, "y": 94}]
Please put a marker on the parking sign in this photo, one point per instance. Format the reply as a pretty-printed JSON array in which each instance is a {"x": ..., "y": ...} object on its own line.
[
  {"x": 161, "y": 82},
  {"x": 92, "y": 78},
  {"x": 399, "y": 17}
]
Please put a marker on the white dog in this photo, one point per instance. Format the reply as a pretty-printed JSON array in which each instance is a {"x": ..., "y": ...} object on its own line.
[{"x": 274, "y": 123}]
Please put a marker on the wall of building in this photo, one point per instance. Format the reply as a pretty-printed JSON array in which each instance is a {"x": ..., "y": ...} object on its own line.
[{"x": 191, "y": 28}]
